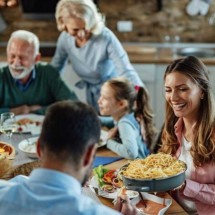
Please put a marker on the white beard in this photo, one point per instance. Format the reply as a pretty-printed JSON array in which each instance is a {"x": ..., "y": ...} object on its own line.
[{"x": 25, "y": 71}]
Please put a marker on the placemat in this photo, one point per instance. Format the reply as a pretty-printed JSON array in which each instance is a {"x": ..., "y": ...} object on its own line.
[
  {"x": 100, "y": 160},
  {"x": 25, "y": 169}
]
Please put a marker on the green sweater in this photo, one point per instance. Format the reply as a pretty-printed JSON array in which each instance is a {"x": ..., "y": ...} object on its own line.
[{"x": 45, "y": 89}]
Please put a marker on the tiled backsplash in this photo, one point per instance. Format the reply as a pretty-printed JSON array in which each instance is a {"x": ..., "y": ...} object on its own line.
[{"x": 149, "y": 23}]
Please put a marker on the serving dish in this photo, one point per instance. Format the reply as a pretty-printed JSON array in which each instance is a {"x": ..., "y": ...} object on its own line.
[{"x": 162, "y": 184}]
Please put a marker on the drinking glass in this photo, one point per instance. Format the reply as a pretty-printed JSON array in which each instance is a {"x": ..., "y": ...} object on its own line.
[{"x": 8, "y": 124}]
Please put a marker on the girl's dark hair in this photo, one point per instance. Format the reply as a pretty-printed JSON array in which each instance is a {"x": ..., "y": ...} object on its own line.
[
  {"x": 138, "y": 102},
  {"x": 144, "y": 115}
]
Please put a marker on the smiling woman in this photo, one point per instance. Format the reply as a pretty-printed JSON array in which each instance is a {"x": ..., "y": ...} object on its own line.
[{"x": 189, "y": 131}]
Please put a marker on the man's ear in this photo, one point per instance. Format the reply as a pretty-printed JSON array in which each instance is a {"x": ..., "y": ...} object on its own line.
[
  {"x": 38, "y": 148},
  {"x": 37, "y": 58},
  {"x": 89, "y": 155}
]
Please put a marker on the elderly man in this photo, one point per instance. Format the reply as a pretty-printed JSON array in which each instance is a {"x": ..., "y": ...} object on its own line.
[
  {"x": 27, "y": 85},
  {"x": 67, "y": 157}
]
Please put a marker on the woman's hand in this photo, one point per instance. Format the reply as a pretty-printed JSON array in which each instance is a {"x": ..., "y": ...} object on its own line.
[
  {"x": 181, "y": 187},
  {"x": 124, "y": 205}
]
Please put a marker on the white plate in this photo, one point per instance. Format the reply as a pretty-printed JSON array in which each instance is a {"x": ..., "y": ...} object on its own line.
[
  {"x": 32, "y": 128},
  {"x": 103, "y": 138},
  {"x": 29, "y": 149}
]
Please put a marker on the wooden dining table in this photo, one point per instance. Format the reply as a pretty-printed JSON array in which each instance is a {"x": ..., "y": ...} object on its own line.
[{"x": 21, "y": 159}]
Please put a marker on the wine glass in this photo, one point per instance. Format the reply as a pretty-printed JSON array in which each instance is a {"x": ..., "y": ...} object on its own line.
[{"x": 8, "y": 124}]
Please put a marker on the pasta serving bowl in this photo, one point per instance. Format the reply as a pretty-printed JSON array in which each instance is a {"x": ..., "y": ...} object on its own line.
[{"x": 156, "y": 182}]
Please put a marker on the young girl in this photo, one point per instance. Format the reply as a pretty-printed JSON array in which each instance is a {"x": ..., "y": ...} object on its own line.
[{"x": 133, "y": 133}]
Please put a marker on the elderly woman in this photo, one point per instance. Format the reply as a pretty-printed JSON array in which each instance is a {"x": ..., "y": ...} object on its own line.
[
  {"x": 95, "y": 52},
  {"x": 189, "y": 132}
]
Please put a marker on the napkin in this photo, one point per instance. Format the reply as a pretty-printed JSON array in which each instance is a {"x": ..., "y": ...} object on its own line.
[
  {"x": 150, "y": 208},
  {"x": 104, "y": 160}
]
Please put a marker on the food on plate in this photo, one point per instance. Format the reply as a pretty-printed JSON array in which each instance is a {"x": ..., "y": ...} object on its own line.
[
  {"x": 109, "y": 176},
  {"x": 154, "y": 166},
  {"x": 107, "y": 179},
  {"x": 25, "y": 121},
  {"x": 7, "y": 150},
  {"x": 99, "y": 173},
  {"x": 117, "y": 182},
  {"x": 26, "y": 124},
  {"x": 108, "y": 188}
]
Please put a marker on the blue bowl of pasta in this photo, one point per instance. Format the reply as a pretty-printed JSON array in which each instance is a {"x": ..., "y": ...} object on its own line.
[{"x": 156, "y": 173}]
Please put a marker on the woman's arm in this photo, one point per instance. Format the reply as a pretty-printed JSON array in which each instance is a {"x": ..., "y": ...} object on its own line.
[
  {"x": 201, "y": 192},
  {"x": 60, "y": 56}
]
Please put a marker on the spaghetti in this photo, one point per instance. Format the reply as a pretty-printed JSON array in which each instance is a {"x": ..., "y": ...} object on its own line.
[{"x": 154, "y": 166}]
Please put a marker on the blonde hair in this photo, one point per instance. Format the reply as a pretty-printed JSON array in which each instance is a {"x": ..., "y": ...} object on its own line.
[
  {"x": 203, "y": 144},
  {"x": 27, "y": 36},
  {"x": 83, "y": 9}
]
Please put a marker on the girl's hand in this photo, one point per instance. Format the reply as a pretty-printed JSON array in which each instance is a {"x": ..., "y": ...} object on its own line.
[{"x": 112, "y": 133}]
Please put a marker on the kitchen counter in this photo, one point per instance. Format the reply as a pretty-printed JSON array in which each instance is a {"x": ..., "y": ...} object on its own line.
[
  {"x": 142, "y": 53},
  {"x": 163, "y": 53}
]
